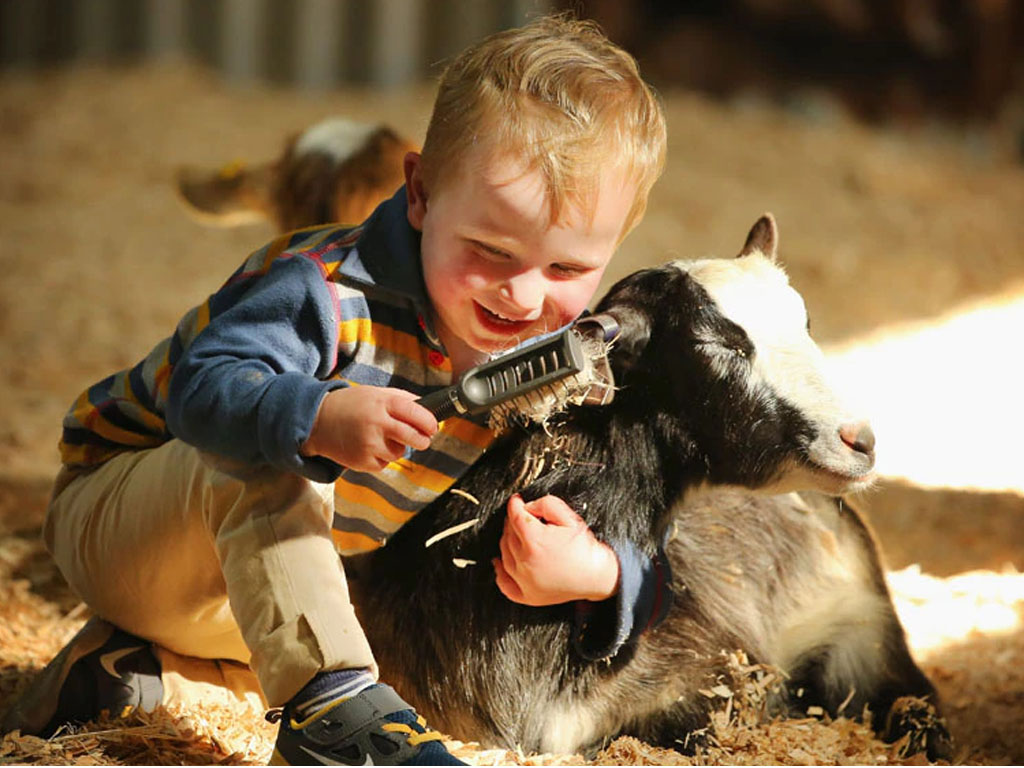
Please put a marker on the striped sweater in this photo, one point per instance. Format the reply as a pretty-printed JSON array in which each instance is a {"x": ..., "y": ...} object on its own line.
[{"x": 243, "y": 374}]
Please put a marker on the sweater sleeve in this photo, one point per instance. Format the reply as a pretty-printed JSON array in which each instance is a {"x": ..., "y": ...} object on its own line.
[
  {"x": 249, "y": 384},
  {"x": 643, "y": 600}
]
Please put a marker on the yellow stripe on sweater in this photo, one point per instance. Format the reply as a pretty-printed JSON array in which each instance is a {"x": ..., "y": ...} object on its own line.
[
  {"x": 421, "y": 476},
  {"x": 274, "y": 250},
  {"x": 468, "y": 432},
  {"x": 139, "y": 413},
  {"x": 358, "y": 494},
  {"x": 97, "y": 424},
  {"x": 362, "y": 330},
  {"x": 348, "y": 542},
  {"x": 202, "y": 317},
  {"x": 90, "y": 418},
  {"x": 357, "y": 330},
  {"x": 85, "y": 455},
  {"x": 162, "y": 377}
]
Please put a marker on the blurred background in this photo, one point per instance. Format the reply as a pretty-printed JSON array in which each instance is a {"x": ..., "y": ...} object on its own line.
[
  {"x": 887, "y": 60},
  {"x": 887, "y": 136}
]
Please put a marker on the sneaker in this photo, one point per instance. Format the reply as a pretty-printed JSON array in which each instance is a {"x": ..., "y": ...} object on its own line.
[
  {"x": 374, "y": 727},
  {"x": 102, "y": 669}
]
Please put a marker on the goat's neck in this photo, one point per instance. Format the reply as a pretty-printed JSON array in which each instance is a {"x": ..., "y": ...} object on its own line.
[{"x": 603, "y": 456}]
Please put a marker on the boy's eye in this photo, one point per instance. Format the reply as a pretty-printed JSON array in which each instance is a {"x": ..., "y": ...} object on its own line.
[
  {"x": 491, "y": 251},
  {"x": 569, "y": 270}
]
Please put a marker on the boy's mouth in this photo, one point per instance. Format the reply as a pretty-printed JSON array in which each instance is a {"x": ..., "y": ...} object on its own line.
[{"x": 500, "y": 324}]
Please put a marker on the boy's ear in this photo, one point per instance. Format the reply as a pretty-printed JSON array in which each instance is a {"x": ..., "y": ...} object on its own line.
[{"x": 415, "y": 194}]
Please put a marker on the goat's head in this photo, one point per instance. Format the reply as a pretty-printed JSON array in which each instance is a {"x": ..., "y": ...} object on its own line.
[{"x": 722, "y": 348}]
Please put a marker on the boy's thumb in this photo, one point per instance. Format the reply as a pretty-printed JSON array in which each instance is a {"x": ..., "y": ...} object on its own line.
[
  {"x": 554, "y": 510},
  {"x": 517, "y": 507}
]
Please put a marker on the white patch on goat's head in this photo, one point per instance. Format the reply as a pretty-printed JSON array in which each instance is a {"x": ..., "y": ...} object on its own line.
[
  {"x": 337, "y": 137},
  {"x": 753, "y": 292}
]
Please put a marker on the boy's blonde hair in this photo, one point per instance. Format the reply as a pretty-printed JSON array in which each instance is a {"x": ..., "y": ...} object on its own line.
[{"x": 558, "y": 95}]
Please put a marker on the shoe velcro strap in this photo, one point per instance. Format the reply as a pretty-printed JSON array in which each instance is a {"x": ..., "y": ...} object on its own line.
[
  {"x": 385, "y": 699},
  {"x": 356, "y": 713}
]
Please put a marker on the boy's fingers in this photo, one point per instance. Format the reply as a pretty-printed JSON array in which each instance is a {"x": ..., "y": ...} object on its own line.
[
  {"x": 405, "y": 409},
  {"x": 509, "y": 546},
  {"x": 405, "y": 435},
  {"x": 395, "y": 449},
  {"x": 506, "y": 584},
  {"x": 519, "y": 512},
  {"x": 370, "y": 464},
  {"x": 554, "y": 511},
  {"x": 519, "y": 520}
]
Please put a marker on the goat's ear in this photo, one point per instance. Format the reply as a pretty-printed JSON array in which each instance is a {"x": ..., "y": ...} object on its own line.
[
  {"x": 634, "y": 334},
  {"x": 763, "y": 237}
]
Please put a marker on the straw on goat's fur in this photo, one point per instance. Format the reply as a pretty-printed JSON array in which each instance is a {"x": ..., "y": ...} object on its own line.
[
  {"x": 465, "y": 494},
  {"x": 450, "y": 531},
  {"x": 541, "y": 405}
]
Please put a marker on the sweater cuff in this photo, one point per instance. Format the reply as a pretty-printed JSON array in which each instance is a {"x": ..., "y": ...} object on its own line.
[
  {"x": 643, "y": 600},
  {"x": 285, "y": 420}
]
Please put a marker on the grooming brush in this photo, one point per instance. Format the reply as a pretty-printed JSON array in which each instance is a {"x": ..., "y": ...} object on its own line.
[{"x": 558, "y": 368}]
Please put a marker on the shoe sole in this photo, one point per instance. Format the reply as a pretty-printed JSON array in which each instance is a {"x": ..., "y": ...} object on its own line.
[{"x": 35, "y": 708}]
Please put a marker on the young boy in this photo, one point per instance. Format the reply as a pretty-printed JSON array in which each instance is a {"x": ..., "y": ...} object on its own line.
[{"x": 207, "y": 492}]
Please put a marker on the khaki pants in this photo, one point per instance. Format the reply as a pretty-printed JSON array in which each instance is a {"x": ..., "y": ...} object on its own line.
[{"x": 211, "y": 560}]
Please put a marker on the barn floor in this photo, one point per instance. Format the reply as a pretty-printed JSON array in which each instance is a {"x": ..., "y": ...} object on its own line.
[{"x": 908, "y": 246}]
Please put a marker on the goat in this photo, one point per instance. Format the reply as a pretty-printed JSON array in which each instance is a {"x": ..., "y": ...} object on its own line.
[
  {"x": 335, "y": 171},
  {"x": 721, "y": 415}
]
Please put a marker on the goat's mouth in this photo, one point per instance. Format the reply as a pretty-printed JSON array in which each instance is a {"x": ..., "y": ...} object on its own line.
[
  {"x": 838, "y": 466},
  {"x": 848, "y": 475},
  {"x": 847, "y": 478}
]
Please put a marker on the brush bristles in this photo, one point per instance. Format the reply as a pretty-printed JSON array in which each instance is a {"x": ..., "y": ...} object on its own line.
[{"x": 543, "y": 403}]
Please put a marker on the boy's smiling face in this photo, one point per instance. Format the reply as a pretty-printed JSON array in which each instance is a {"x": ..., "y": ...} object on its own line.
[{"x": 496, "y": 269}]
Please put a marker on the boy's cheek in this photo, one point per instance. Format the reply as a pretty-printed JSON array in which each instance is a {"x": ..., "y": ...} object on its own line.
[
  {"x": 575, "y": 297},
  {"x": 456, "y": 273}
]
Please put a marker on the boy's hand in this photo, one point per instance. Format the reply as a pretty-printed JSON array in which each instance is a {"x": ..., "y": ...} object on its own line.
[
  {"x": 549, "y": 556},
  {"x": 366, "y": 428}
]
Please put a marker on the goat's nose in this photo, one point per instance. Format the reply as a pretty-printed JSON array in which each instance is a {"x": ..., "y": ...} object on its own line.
[{"x": 858, "y": 436}]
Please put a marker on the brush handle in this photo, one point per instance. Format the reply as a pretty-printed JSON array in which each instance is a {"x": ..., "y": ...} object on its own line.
[{"x": 441, "y": 403}]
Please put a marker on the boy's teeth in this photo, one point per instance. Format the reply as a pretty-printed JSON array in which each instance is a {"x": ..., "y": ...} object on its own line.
[{"x": 502, "y": 317}]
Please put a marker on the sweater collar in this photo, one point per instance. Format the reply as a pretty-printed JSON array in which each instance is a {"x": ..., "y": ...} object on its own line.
[{"x": 386, "y": 257}]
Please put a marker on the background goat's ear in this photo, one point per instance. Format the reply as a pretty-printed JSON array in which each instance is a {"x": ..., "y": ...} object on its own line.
[
  {"x": 634, "y": 334},
  {"x": 763, "y": 237}
]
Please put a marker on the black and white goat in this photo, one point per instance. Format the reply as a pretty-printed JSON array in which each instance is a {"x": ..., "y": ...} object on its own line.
[{"x": 721, "y": 407}]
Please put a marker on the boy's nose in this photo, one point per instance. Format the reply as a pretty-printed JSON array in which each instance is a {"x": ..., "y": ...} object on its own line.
[{"x": 524, "y": 291}]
